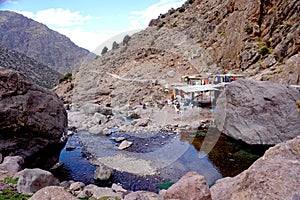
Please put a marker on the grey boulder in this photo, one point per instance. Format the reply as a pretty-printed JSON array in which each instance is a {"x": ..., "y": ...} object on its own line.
[
  {"x": 32, "y": 180},
  {"x": 258, "y": 112}
]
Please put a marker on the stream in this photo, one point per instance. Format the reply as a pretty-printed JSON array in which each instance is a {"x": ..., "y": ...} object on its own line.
[{"x": 155, "y": 159}]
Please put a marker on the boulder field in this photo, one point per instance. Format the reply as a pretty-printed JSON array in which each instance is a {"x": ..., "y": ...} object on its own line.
[{"x": 33, "y": 121}]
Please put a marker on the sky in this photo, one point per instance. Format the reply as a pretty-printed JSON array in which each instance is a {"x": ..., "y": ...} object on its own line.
[{"x": 89, "y": 23}]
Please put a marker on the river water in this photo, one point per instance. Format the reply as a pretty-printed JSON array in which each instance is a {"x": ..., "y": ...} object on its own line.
[{"x": 169, "y": 155}]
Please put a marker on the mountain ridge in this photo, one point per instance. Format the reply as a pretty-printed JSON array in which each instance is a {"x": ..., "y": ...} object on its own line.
[
  {"x": 37, "y": 41},
  {"x": 32, "y": 69}
]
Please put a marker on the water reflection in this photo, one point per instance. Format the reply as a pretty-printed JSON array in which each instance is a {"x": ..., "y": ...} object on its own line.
[
  {"x": 76, "y": 166},
  {"x": 173, "y": 157},
  {"x": 229, "y": 156}
]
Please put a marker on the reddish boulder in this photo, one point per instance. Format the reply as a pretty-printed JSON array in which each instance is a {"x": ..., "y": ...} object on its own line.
[{"x": 191, "y": 186}]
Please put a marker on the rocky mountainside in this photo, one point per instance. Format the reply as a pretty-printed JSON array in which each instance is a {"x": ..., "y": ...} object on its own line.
[
  {"x": 257, "y": 38},
  {"x": 37, "y": 41},
  {"x": 32, "y": 69}
]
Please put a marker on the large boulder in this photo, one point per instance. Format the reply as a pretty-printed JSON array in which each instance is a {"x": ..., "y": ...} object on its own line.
[
  {"x": 141, "y": 195},
  {"x": 258, "y": 112},
  {"x": 10, "y": 166},
  {"x": 190, "y": 186},
  {"x": 103, "y": 173},
  {"x": 91, "y": 109},
  {"x": 276, "y": 175},
  {"x": 32, "y": 180},
  {"x": 99, "y": 193},
  {"x": 54, "y": 193},
  {"x": 33, "y": 121}
]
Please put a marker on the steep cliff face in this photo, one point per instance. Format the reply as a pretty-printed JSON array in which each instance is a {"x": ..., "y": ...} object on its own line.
[
  {"x": 37, "y": 41},
  {"x": 32, "y": 69},
  {"x": 257, "y": 38}
]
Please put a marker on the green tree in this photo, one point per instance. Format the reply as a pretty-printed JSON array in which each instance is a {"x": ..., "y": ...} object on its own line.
[
  {"x": 104, "y": 50},
  {"x": 66, "y": 77},
  {"x": 126, "y": 39},
  {"x": 115, "y": 45}
]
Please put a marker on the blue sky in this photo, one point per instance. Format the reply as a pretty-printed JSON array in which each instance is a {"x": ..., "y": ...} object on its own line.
[{"x": 89, "y": 23}]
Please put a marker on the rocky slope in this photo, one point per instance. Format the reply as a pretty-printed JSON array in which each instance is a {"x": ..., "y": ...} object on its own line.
[
  {"x": 253, "y": 37},
  {"x": 32, "y": 69},
  {"x": 257, "y": 38},
  {"x": 37, "y": 41}
]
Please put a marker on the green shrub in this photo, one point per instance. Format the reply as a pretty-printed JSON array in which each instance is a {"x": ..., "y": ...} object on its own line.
[
  {"x": 115, "y": 45},
  {"x": 248, "y": 29},
  {"x": 66, "y": 77},
  {"x": 126, "y": 39},
  {"x": 191, "y": 1},
  {"x": 269, "y": 77},
  {"x": 264, "y": 51},
  {"x": 109, "y": 198},
  {"x": 298, "y": 106},
  {"x": 161, "y": 25},
  {"x": 268, "y": 43},
  {"x": 104, "y": 50},
  {"x": 181, "y": 10}
]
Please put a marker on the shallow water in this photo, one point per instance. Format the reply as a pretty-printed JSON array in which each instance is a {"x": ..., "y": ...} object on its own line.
[
  {"x": 76, "y": 166},
  {"x": 172, "y": 155}
]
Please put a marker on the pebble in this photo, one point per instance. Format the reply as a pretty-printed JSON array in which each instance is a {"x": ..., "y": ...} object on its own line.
[
  {"x": 70, "y": 133},
  {"x": 125, "y": 144},
  {"x": 57, "y": 165},
  {"x": 118, "y": 139}
]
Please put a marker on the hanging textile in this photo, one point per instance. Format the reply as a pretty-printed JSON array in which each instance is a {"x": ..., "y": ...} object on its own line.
[
  {"x": 206, "y": 81},
  {"x": 226, "y": 78}
]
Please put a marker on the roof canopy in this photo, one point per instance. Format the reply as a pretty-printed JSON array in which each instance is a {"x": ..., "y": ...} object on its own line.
[{"x": 197, "y": 88}]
